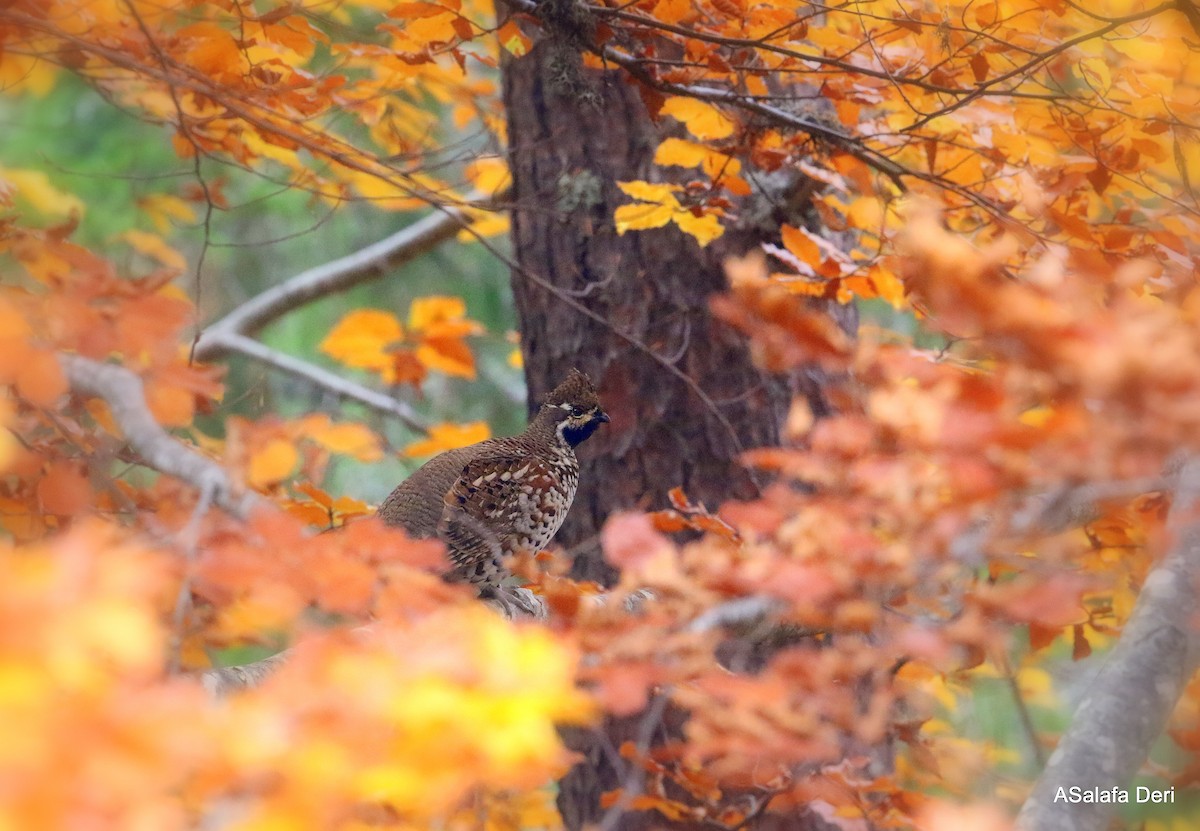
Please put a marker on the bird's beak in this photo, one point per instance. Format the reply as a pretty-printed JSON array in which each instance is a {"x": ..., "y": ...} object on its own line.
[{"x": 602, "y": 416}]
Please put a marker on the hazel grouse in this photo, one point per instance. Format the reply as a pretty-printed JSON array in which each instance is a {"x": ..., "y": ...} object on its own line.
[{"x": 504, "y": 495}]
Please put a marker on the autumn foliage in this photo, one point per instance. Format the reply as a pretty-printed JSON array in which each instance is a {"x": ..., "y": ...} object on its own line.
[{"x": 1013, "y": 179}]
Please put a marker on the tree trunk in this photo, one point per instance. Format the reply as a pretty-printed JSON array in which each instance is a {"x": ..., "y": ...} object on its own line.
[
  {"x": 633, "y": 312},
  {"x": 649, "y": 293}
]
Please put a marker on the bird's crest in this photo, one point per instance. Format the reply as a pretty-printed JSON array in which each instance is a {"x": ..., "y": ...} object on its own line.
[{"x": 575, "y": 389}]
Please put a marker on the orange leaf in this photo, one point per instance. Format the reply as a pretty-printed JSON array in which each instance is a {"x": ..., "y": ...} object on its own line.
[
  {"x": 431, "y": 314},
  {"x": 800, "y": 242},
  {"x": 171, "y": 406},
  {"x": 153, "y": 246},
  {"x": 272, "y": 463},
  {"x": 64, "y": 490},
  {"x": 363, "y": 339},
  {"x": 448, "y": 437},
  {"x": 349, "y": 439},
  {"x": 41, "y": 381},
  {"x": 14, "y": 342},
  {"x": 315, "y": 494},
  {"x": 309, "y": 513},
  {"x": 448, "y": 355},
  {"x": 1042, "y": 636}
]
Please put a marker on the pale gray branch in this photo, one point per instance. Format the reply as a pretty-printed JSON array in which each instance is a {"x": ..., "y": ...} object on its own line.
[
  {"x": 365, "y": 264},
  {"x": 124, "y": 393},
  {"x": 1129, "y": 702},
  {"x": 737, "y": 612},
  {"x": 223, "y": 680},
  {"x": 323, "y": 379}
]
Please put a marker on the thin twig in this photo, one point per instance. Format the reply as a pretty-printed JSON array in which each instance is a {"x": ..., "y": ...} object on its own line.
[
  {"x": 1023, "y": 714},
  {"x": 635, "y": 777}
]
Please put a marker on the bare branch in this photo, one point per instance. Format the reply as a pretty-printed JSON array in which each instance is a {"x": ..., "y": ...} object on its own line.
[
  {"x": 322, "y": 378},
  {"x": 125, "y": 395},
  {"x": 740, "y": 611},
  {"x": 369, "y": 263},
  {"x": 224, "y": 680},
  {"x": 1128, "y": 703}
]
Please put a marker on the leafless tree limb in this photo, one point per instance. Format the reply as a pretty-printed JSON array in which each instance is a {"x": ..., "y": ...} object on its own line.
[
  {"x": 224, "y": 680},
  {"x": 342, "y": 388},
  {"x": 369, "y": 263},
  {"x": 1128, "y": 703},
  {"x": 124, "y": 393},
  {"x": 739, "y": 611}
]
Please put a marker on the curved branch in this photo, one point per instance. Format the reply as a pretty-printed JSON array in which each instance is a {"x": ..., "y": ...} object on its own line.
[
  {"x": 125, "y": 395},
  {"x": 366, "y": 264},
  {"x": 224, "y": 680},
  {"x": 321, "y": 378},
  {"x": 1130, "y": 700}
]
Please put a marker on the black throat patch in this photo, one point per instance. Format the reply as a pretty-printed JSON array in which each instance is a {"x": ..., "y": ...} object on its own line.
[{"x": 577, "y": 434}]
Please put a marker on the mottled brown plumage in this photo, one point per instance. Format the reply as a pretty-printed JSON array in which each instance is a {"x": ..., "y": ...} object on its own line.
[{"x": 493, "y": 499}]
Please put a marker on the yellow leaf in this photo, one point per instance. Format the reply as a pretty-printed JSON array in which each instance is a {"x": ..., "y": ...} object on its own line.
[
  {"x": 887, "y": 286},
  {"x": 426, "y": 313},
  {"x": 488, "y": 224},
  {"x": 866, "y": 212},
  {"x": 684, "y": 153},
  {"x": 350, "y": 439},
  {"x": 642, "y": 215},
  {"x": 1096, "y": 72},
  {"x": 153, "y": 246},
  {"x": 489, "y": 174},
  {"x": 705, "y": 228},
  {"x": 272, "y": 463},
  {"x": 673, "y": 11},
  {"x": 659, "y": 207},
  {"x": 346, "y": 506},
  {"x": 448, "y": 437},
  {"x": 363, "y": 339},
  {"x": 1036, "y": 416},
  {"x": 680, "y": 152},
  {"x": 703, "y": 120},
  {"x": 34, "y": 187},
  {"x": 26, "y": 73},
  {"x": 164, "y": 207},
  {"x": 650, "y": 191}
]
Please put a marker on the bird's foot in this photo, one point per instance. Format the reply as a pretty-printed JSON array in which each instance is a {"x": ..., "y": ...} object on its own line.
[{"x": 514, "y": 602}]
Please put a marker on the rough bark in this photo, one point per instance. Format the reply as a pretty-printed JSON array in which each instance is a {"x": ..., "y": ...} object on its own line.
[
  {"x": 1141, "y": 681},
  {"x": 649, "y": 295},
  {"x": 633, "y": 312}
]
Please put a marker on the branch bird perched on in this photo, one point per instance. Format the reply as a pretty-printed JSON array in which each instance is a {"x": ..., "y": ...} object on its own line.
[{"x": 492, "y": 499}]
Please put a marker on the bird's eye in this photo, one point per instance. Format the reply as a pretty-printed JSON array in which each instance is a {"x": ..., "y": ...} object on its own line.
[{"x": 576, "y": 412}]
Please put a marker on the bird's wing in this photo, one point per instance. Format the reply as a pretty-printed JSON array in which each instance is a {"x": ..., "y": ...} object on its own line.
[{"x": 483, "y": 506}]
